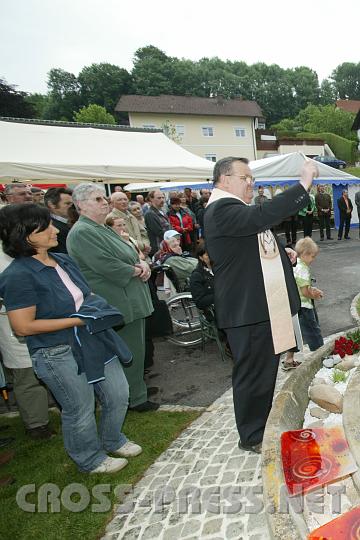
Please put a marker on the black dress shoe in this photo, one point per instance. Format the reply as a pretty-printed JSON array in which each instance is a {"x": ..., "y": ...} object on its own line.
[
  {"x": 256, "y": 448},
  {"x": 322, "y": 239},
  {"x": 145, "y": 407},
  {"x": 347, "y": 237},
  {"x": 41, "y": 433},
  {"x": 329, "y": 238}
]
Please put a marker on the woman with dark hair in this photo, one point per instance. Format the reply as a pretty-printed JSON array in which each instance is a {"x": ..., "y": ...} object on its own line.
[
  {"x": 47, "y": 299},
  {"x": 182, "y": 222}
]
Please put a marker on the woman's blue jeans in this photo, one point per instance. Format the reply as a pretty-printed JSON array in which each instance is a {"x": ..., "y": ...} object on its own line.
[{"x": 57, "y": 368}]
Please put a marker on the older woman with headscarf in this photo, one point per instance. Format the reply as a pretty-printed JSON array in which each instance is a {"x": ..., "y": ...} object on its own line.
[
  {"x": 114, "y": 271},
  {"x": 172, "y": 255}
]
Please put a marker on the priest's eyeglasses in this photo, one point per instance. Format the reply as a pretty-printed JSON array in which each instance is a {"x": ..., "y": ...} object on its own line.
[{"x": 245, "y": 177}]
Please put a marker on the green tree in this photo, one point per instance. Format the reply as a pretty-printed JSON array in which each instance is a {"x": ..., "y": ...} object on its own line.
[
  {"x": 271, "y": 87},
  {"x": 286, "y": 126},
  {"x": 215, "y": 78},
  {"x": 184, "y": 77},
  {"x": 318, "y": 119},
  {"x": 346, "y": 79},
  {"x": 39, "y": 102},
  {"x": 170, "y": 131},
  {"x": 328, "y": 92},
  {"x": 94, "y": 114},
  {"x": 305, "y": 87},
  {"x": 13, "y": 103},
  {"x": 327, "y": 118},
  {"x": 64, "y": 95},
  {"x": 103, "y": 84},
  {"x": 153, "y": 71}
]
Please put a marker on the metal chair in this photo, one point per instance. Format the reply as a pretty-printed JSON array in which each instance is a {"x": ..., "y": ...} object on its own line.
[
  {"x": 210, "y": 331},
  {"x": 183, "y": 312}
]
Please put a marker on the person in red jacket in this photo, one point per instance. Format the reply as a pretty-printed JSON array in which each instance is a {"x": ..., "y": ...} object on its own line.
[{"x": 181, "y": 221}]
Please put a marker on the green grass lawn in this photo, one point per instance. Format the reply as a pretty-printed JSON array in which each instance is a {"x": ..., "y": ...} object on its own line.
[
  {"x": 358, "y": 306},
  {"x": 46, "y": 462},
  {"x": 353, "y": 170}
]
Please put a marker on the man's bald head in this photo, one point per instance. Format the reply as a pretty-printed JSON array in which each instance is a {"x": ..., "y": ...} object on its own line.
[{"x": 120, "y": 201}]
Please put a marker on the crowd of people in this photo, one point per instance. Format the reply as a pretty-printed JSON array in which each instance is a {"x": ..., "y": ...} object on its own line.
[
  {"x": 320, "y": 206},
  {"x": 67, "y": 257},
  {"x": 73, "y": 256}
]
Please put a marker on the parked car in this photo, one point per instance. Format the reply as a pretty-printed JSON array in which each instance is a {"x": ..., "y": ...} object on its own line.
[{"x": 331, "y": 161}]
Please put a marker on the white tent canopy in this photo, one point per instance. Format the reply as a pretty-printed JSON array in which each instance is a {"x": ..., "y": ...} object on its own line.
[
  {"x": 167, "y": 186},
  {"x": 273, "y": 171},
  {"x": 285, "y": 169},
  {"x": 33, "y": 152}
]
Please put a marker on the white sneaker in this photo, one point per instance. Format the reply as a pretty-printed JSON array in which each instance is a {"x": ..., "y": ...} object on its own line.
[
  {"x": 129, "y": 449},
  {"x": 110, "y": 465}
]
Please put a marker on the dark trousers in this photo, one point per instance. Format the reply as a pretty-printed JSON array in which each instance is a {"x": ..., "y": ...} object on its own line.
[
  {"x": 31, "y": 398},
  {"x": 290, "y": 227},
  {"x": 149, "y": 345},
  {"x": 307, "y": 224},
  {"x": 344, "y": 219},
  {"x": 253, "y": 379},
  {"x": 324, "y": 222}
]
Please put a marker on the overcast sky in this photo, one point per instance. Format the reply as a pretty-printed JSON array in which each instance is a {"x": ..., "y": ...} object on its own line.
[{"x": 37, "y": 35}]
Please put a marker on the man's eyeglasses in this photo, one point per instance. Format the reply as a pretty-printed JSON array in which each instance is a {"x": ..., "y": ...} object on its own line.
[
  {"x": 97, "y": 199},
  {"x": 245, "y": 177}
]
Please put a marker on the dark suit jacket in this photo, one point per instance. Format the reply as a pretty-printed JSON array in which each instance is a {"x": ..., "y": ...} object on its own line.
[
  {"x": 231, "y": 229},
  {"x": 61, "y": 237},
  {"x": 156, "y": 224},
  {"x": 342, "y": 205}
]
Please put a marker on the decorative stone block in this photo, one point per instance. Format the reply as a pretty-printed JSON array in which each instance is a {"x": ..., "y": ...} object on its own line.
[
  {"x": 327, "y": 397},
  {"x": 318, "y": 412}
]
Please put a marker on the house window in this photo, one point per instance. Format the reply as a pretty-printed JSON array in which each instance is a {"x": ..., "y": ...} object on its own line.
[
  {"x": 261, "y": 125},
  {"x": 210, "y": 157},
  {"x": 208, "y": 131},
  {"x": 149, "y": 126},
  {"x": 240, "y": 132},
  {"x": 180, "y": 130}
]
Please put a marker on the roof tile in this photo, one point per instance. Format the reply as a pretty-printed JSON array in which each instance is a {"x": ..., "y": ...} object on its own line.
[{"x": 217, "y": 106}]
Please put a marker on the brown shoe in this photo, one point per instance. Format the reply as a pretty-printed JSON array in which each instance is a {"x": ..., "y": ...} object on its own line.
[
  {"x": 5, "y": 457},
  {"x": 41, "y": 433},
  {"x": 6, "y": 480}
]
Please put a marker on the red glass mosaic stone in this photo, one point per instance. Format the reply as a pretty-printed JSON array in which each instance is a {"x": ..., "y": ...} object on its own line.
[
  {"x": 345, "y": 527},
  {"x": 313, "y": 457}
]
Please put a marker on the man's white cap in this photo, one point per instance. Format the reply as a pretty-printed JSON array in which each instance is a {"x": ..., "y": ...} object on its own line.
[{"x": 170, "y": 234}]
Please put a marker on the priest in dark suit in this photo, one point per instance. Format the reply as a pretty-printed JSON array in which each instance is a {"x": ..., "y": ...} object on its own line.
[
  {"x": 256, "y": 295},
  {"x": 58, "y": 201}
]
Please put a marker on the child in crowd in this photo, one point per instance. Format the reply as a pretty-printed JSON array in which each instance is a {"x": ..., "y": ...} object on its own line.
[{"x": 307, "y": 251}]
